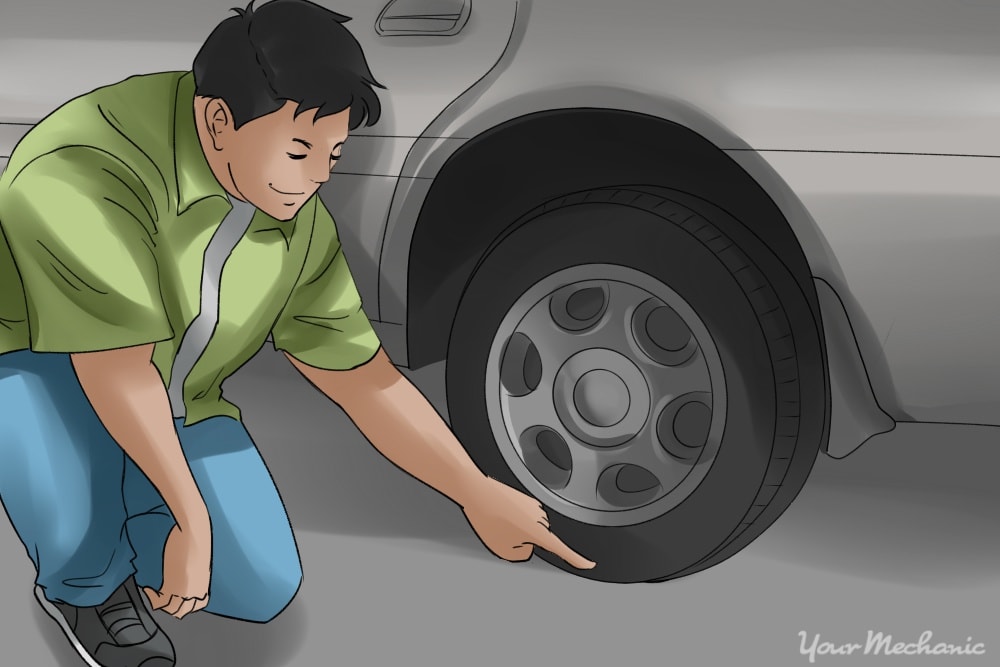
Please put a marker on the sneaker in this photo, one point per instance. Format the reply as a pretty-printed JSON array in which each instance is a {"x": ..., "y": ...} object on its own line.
[{"x": 120, "y": 632}]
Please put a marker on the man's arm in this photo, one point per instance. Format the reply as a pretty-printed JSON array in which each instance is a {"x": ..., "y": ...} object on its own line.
[
  {"x": 323, "y": 326},
  {"x": 128, "y": 395},
  {"x": 79, "y": 232},
  {"x": 401, "y": 424},
  {"x": 399, "y": 421}
]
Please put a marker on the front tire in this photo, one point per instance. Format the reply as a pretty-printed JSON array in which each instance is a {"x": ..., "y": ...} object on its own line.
[{"x": 648, "y": 370}]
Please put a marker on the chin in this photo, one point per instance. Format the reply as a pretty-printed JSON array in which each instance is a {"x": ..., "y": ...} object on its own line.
[{"x": 281, "y": 212}]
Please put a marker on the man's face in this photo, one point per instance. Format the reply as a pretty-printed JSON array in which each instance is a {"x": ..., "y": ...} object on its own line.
[{"x": 278, "y": 161}]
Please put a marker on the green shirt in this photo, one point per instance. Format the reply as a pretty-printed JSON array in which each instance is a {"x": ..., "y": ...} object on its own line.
[{"x": 107, "y": 207}]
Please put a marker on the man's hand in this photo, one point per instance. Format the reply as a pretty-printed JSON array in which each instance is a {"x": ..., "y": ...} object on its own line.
[
  {"x": 187, "y": 568},
  {"x": 512, "y": 524}
]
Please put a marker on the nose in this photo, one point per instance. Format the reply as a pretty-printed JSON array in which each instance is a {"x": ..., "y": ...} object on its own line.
[{"x": 319, "y": 176}]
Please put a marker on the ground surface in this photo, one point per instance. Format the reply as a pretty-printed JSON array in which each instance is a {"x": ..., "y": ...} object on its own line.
[{"x": 901, "y": 538}]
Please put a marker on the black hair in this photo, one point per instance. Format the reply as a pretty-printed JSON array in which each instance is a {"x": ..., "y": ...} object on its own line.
[{"x": 287, "y": 50}]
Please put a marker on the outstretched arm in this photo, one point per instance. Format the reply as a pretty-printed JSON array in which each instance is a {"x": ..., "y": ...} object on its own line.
[{"x": 399, "y": 421}]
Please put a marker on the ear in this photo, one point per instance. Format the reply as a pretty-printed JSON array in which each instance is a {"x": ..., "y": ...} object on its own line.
[{"x": 219, "y": 121}]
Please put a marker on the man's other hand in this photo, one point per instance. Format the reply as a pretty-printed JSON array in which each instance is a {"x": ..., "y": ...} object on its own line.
[{"x": 187, "y": 564}]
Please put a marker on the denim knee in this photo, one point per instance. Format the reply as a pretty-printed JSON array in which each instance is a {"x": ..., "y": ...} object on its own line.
[
  {"x": 282, "y": 589},
  {"x": 262, "y": 600}
]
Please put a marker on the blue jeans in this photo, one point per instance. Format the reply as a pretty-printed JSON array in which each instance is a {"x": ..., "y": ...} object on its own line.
[{"x": 89, "y": 518}]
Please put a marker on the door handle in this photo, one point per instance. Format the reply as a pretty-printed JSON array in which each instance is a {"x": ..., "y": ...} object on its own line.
[{"x": 423, "y": 17}]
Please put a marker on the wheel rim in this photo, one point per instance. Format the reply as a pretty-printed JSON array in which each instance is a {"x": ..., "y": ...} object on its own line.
[{"x": 606, "y": 394}]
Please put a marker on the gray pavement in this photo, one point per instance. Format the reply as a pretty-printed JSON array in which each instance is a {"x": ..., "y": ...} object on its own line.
[{"x": 900, "y": 538}]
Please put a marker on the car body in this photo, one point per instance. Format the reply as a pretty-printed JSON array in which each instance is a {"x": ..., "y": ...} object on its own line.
[{"x": 870, "y": 128}]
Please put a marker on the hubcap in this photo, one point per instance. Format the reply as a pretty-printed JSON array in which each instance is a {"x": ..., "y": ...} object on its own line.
[{"x": 606, "y": 394}]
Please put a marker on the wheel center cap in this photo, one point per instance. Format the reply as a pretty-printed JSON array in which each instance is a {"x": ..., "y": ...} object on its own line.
[{"x": 601, "y": 397}]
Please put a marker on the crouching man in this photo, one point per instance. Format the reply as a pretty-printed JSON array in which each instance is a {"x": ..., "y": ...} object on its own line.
[{"x": 155, "y": 232}]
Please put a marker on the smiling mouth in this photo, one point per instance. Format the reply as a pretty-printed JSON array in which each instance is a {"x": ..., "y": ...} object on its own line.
[{"x": 282, "y": 192}]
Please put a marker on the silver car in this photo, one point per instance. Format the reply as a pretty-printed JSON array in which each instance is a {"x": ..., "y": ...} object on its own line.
[{"x": 670, "y": 250}]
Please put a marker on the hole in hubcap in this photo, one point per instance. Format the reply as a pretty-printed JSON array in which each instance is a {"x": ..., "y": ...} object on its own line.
[
  {"x": 691, "y": 424},
  {"x": 633, "y": 479},
  {"x": 547, "y": 456},
  {"x": 667, "y": 330},
  {"x": 576, "y": 308},
  {"x": 627, "y": 486},
  {"x": 554, "y": 448},
  {"x": 520, "y": 366},
  {"x": 683, "y": 426},
  {"x": 585, "y": 304},
  {"x": 662, "y": 334}
]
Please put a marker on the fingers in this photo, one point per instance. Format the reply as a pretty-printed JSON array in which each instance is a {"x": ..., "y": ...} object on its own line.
[
  {"x": 200, "y": 604},
  {"x": 187, "y": 606},
  {"x": 548, "y": 541},
  {"x": 156, "y": 601},
  {"x": 175, "y": 605}
]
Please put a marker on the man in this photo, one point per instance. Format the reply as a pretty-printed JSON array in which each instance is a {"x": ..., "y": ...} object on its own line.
[{"x": 155, "y": 232}]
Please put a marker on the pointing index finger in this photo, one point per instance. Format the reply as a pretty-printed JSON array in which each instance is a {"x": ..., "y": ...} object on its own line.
[{"x": 550, "y": 542}]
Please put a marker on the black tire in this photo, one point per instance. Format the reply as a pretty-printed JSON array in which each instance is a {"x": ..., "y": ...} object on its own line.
[{"x": 768, "y": 342}]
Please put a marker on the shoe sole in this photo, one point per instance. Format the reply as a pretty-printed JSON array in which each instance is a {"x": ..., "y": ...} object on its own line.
[{"x": 57, "y": 616}]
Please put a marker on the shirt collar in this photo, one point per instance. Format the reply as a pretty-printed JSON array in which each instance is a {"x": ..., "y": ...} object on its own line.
[
  {"x": 195, "y": 180},
  {"x": 262, "y": 222}
]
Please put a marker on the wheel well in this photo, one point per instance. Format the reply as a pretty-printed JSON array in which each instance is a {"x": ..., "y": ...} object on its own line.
[{"x": 488, "y": 184}]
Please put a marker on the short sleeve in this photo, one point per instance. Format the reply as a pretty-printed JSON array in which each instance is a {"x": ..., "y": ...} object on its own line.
[
  {"x": 79, "y": 233},
  {"x": 323, "y": 323}
]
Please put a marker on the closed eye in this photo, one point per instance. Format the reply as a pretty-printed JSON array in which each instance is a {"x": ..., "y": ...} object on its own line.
[{"x": 296, "y": 156}]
